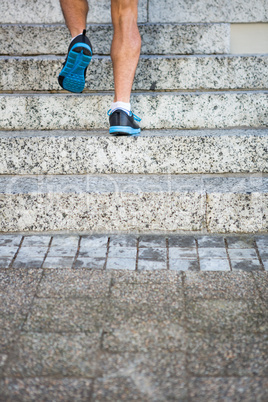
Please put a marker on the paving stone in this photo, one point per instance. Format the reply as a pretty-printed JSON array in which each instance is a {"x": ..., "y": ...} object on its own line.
[
  {"x": 65, "y": 241},
  {"x": 28, "y": 262},
  {"x": 263, "y": 253},
  {"x": 91, "y": 263},
  {"x": 46, "y": 389},
  {"x": 183, "y": 265},
  {"x": 246, "y": 265},
  {"x": 123, "y": 241},
  {"x": 54, "y": 355},
  {"x": 224, "y": 355},
  {"x": 182, "y": 253},
  {"x": 122, "y": 252},
  {"x": 214, "y": 264},
  {"x": 29, "y": 252},
  {"x": 99, "y": 252},
  {"x": 10, "y": 240},
  {"x": 261, "y": 280},
  {"x": 262, "y": 241},
  {"x": 36, "y": 241},
  {"x": 240, "y": 242},
  {"x": 211, "y": 389},
  {"x": 69, "y": 283},
  {"x": 265, "y": 264},
  {"x": 210, "y": 242},
  {"x": 144, "y": 265},
  {"x": 147, "y": 277},
  {"x": 93, "y": 241},
  {"x": 10, "y": 325},
  {"x": 181, "y": 241},
  {"x": 153, "y": 254},
  {"x": 8, "y": 251},
  {"x": 62, "y": 251},
  {"x": 208, "y": 253},
  {"x": 144, "y": 336},
  {"x": 58, "y": 262},
  {"x": 220, "y": 285},
  {"x": 121, "y": 263},
  {"x": 158, "y": 376},
  {"x": 243, "y": 253},
  {"x": 216, "y": 316},
  {"x": 152, "y": 241},
  {"x": 5, "y": 262}
]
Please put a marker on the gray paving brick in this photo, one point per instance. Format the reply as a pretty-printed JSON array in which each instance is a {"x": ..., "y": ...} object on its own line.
[
  {"x": 181, "y": 241},
  {"x": 153, "y": 254},
  {"x": 121, "y": 263},
  {"x": 68, "y": 283},
  {"x": 62, "y": 251},
  {"x": 54, "y": 355},
  {"x": 227, "y": 355},
  {"x": 144, "y": 265},
  {"x": 265, "y": 264},
  {"x": 216, "y": 316},
  {"x": 183, "y": 265},
  {"x": 10, "y": 240},
  {"x": 182, "y": 253},
  {"x": 5, "y": 262},
  {"x": 99, "y": 252},
  {"x": 151, "y": 376},
  {"x": 216, "y": 252},
  {"x": 263, "y": 253},
  {"x": 240, "y": 241},
  {"x": 24, "y": 261},
  {"x": 46, "y": 389},
  {"x": 36, "y": 241},
  {"x": 122, "y": 252},
  {"x": 246, "y": 265},
  {"x": 211, "y": 389},
  {"x": 7, "y": 251},
  {"x": 93, "y": 242},
  {"x": 30, "y": 251},
  {"x": 243, "y": 253},
  {"x": 152, "y": 241},
  {"x": 123, "y": 241},
  {"x": 262, "y": 241},
  {"x": 214, "y": 264},
  {"x": 220, "y": 285},
  {"x": 91, "y": 263},
  {"x": 58, "y": 262},
  {"x": 210, "y": 242},
  {"x": 65, "y": 241}
]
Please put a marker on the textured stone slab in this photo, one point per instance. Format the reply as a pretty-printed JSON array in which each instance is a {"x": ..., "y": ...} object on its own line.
[
  {"x": 202, "y": 151},
  {"x": 136, "y": 203},
  {"x": 183, "y": 265},
  {"x": 10, "y": 240},
  {"x": 246, "y": 265},
  {"x": 38, "y": 12},
  {"x": 213, "y": 264},
  {"x": 121, "y": 263},
  {"x": 39, "y": 73},
  {"x": 207, "y": 11},
  {"x": 58, "y": 262},
  {"x": 185, "y": 110}
]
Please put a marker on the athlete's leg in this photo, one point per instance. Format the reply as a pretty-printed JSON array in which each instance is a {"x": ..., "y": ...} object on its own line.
[
  {"x": 75, "y": 14},
  {"x": 125, "y": 49}
]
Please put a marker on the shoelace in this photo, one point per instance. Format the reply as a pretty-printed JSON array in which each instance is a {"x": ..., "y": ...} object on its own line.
[{"x": 137, "y": 118}]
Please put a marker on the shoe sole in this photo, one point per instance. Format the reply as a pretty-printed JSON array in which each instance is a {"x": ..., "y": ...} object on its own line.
[
  {"x": 124, "y": 130},
  {"x": 72, "y": 76}
]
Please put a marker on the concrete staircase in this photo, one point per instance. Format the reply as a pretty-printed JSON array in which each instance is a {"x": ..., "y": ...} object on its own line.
[{"x": 201, "y": 162}]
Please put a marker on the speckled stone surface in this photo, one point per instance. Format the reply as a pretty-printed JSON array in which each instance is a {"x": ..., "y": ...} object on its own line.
[
  {"x": 158, "y": 110},
  {"x": 39, "y": 73},
  {"x": 207, "y": 11},
  {"x": 38, "y": 12},
  {"x": 208, "y": 151},
  {"x": 156, "y": 38},
  {"x": 124, "y": 203}
]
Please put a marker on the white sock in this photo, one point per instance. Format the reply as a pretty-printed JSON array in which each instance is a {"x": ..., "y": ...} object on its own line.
[
  {"x": 121, "y": 105},
  {"x": 77, "y": 35}
]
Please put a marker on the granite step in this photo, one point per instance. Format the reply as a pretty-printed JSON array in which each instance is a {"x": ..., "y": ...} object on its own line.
[
  {"x": 158, "y": 110},
  {"x": 40, "y": 39},
  {"x": 33, "y": 11},
  {"x": 154, "y": 152},
  {"x": 39, "y": 73},
  {"x": 134, "y": 203}
]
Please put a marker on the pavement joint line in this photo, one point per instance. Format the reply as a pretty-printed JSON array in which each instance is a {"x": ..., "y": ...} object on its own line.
[
  {"x": 258, "y": 254},
  {"x": 137, "y": 254},
  {"x": 15, "y": 255},
  {"x": 77, "y": 252},
  {"x": 48, "y": 248},
  {"x": 167, "y": 246},
  {"x": 227, "y": 253},
  {"x": 197, "y": 254},
  {"x": 107, "y": 253}
]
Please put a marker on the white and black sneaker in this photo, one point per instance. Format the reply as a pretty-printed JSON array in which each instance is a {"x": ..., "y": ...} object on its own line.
[{"x": 122, "y": 123}]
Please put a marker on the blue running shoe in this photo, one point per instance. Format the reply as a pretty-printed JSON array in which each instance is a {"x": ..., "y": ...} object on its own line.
[
  {"x": 122, "y": 123},
  {"x": 73, "y": 74}
]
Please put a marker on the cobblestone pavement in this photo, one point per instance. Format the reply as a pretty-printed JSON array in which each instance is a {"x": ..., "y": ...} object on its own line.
[{"x": 128, "y": 318}]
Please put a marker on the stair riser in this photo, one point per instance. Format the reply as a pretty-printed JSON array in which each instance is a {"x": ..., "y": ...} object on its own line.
[
  {"x": 156, "y": 39},
  {"x": 170, "y": 153},
  {"x": 125, "y": 205},
  {"x": 166, "y": 73},
  {"x": 182, "y": 110}
]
